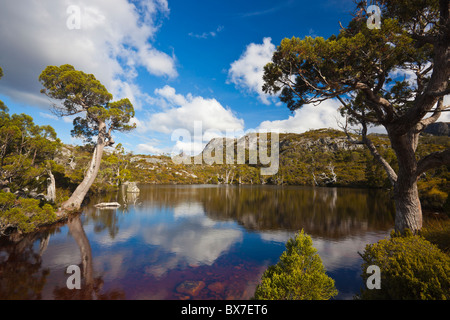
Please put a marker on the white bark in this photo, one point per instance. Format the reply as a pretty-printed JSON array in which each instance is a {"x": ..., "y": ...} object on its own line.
[{"x": 51, "y": 187}]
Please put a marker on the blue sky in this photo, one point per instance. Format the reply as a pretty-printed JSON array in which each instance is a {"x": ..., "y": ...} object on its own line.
[{"x": 178, "y": 61}]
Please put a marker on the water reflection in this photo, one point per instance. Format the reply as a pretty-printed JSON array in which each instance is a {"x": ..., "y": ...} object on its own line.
[
  {"x": 324, "y": 212},
  {"x": 223, "y": 237}
]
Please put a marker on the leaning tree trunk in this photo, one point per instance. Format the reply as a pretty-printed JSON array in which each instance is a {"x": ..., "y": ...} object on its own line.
[
  {"x": 408, "y": 210},
  {"x": 51, "y": 186},
  {"x": 77, "y": 197}
]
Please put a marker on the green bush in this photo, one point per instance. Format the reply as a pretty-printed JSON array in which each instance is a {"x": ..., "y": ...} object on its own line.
[
  {"x": 298, "y": 275},
  {"x": 25, "y": 215},
  {"x": 412, "y": 268}
]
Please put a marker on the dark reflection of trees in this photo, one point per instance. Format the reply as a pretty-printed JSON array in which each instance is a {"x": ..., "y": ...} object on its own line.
[
  {"x": 325, "y": 212},
  {"x": 21, "y": 275},
  {"x": 90, "y": 287}
]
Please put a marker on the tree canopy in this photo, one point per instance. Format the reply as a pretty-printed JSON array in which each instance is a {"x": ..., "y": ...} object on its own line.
[
  {"x": 83, "y": 95},
  {"x": 392, "y": 76},
  {"x": 366, "y": 68},
  {"x": 96, "y": 116}
]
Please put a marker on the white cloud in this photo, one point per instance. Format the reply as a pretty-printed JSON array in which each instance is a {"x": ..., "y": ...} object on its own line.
[
  {"x": 206, "y": 35},
  {"x": 191, "y": 148},
  {"x": 48, "y": 116},
  {"x": 324, "y": 115},
  {"x": 191, "y": 120},
  {"x": 148, "y": 148},
  {"x": 445, "y": 116},
  {"x": 186, "y": 110},
  {"x": 309, "y": 117},
  {"x": 247, "y": 72},
  {"x": 169, "y": 95},
  {"x": 113, "y": 40}
]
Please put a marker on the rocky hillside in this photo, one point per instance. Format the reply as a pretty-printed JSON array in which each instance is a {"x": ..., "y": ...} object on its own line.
[
  {"x": 439, "y": 129},
  {"x": 319, "y": 157}
]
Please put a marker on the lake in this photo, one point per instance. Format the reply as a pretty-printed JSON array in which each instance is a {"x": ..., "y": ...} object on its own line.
[{"x": 194, "y": 242}]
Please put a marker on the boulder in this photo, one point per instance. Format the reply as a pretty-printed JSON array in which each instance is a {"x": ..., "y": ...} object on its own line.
[{"x": 132, "y": 187}]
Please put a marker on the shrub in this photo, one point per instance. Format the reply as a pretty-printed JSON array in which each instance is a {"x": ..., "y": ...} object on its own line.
[
  {"x": 298, "y": 275},
  {"x": 411, "y": 268},
  {"x": 25, "y": 215},
  {"x": 435, "y": 198}
]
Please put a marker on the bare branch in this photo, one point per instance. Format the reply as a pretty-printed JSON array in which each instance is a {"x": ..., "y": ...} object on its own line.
[
  {"x": 392, "y": 176},
  {"x": 433, "y": 160},
  {"x": 433, "y": 118}
]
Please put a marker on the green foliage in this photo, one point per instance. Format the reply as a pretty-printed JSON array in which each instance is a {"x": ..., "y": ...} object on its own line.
[
  {"x": 23, "y": 214},
  {"x": 411, "y": 268},
  {"x": 298, "y": 275},
  {"x": 24, "y": 149},
  {"x": 76, "y": 88},
  {"x": 82, "y": 93},
  {"x": 114, "y": 168}
]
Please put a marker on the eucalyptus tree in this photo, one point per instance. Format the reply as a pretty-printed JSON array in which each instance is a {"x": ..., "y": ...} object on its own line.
[
  {"x": 97, "y": 117},
  {"x": 394, "y": 74}
]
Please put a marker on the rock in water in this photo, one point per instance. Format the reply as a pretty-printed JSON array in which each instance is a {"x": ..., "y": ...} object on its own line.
[
  {"x": 107, "y": 204},
  {"x": 192, "y": 288},
  {"x": 132, "y": 187}
]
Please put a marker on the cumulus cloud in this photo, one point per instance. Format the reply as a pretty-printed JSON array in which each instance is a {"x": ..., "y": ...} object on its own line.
[
  {"x": 191, "y": 120},
  {"x": 184, "y": 111},
  {"x": 112, "y": 39},
  {"x": 324, "y": 115},
  {"x": 148, "y": 148},
  {"x": 169, "y": 97},
  {"x": 247, "y": 72}
]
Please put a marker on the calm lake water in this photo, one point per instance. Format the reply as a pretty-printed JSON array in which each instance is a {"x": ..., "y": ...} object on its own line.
[{"x": 194, "y": 242}]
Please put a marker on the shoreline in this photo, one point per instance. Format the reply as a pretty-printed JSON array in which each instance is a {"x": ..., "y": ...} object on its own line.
[{"x": 64, "y": 215}]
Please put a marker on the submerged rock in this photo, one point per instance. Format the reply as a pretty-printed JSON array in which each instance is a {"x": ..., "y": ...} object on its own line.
[
  {"x": 192, "y": 288},
  {"x": 217, "y": 287}
]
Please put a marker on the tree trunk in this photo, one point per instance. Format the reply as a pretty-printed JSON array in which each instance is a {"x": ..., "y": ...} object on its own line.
[
  {"x": 76, "y": 199},
  {"x": 408, "y": 210},
  {"x": 51, "y": 187},
  {"x": 77, "y": 232}
]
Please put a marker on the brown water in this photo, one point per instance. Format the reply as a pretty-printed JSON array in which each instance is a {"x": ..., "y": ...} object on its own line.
[{"x": 194, "y": 242}]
